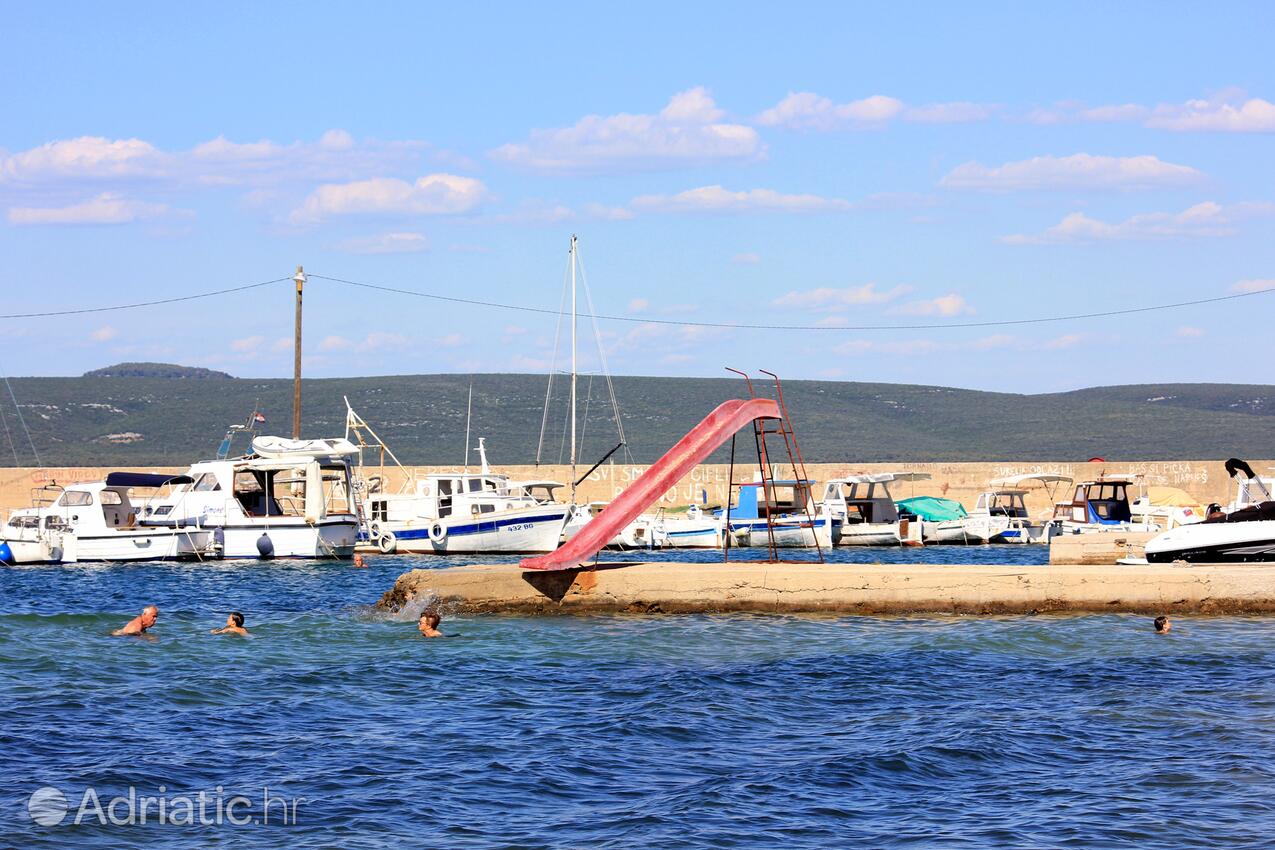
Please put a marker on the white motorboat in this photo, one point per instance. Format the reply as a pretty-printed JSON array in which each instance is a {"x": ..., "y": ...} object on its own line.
[
  {"x": 866, "y": 510},
  {"x": 945, "y": 521},
  {"x": 1101, "y": 506},
  {"x": 1004, "y": 504},
  {"x": 1245, "y": 533},
  {"x": 693, "y": 529},
  {"x": 788, "y": 516},
  {"x": 284, "y": 499},
  {"x": 99, "y": 521}
]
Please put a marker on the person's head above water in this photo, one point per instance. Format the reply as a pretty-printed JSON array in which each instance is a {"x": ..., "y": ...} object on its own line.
[
  {"x": 149, "y": 615},
  {"x": 235, "y": 619},
  {"x": 1162, "y": 624},
  {"x": 428, "y": 623}
]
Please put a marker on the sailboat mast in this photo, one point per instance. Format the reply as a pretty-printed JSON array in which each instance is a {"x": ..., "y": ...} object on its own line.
[{"x": 573, "y": 368}]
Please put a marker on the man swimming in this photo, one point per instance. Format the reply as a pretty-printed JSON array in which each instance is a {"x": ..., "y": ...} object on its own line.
[
  {"x": 1162, "y": 625},
  {"x": 428, "y": 623},
  {"x": 234, "y": 626},
  {"x": 139, "y": 624}
]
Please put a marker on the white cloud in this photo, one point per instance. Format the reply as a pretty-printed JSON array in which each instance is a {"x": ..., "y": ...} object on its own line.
[
  {"x": 1078, "y": 171},
  {"x": 1222, "y": 115},
  {"x": 106, "y": 208},
  {"x": 434, "y": 194},
  {"x": 809, "y": 111},
  {"x": 533, "y": 211},
  {"x": 248, "y": 344},
  {"x": 83, "y": 157},
  {"x": 715, "y": 199},
  {"x": 945, "y": 305},
  {"x": 829, "y": 298},
  {"x": 1229, "y": 111},
  {"x": 387, "y": 243},
  {"x": 1065, "y": 341},
  {"x": 747, "y": 258},
  {"x": 1255, "y": 285},
  {"x": 1203, "y": 219},
  {"x": 448, "y": 341},
  {"x": 382, "y": 340},
  {"x": 1189, "y": 332},
  {"x": 606, "y": 213},
  {"x": 335, "y": 343},
  {"x": 638, "y": 305},
  {"x": 690, "y": 130},
  {"x": 103, "y": 334}
]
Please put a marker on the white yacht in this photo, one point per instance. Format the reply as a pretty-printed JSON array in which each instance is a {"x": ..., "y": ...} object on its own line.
[
  {"x": 867, "y": 512},
  {"x": 285, "y": 499},
  {"x": 99, "y": 521},
  {"x": 693, "y": 529},
  {"x": 1243, "y": 533}
]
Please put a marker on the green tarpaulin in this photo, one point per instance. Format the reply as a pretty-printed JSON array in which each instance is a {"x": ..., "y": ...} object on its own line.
[{"x": 932, "y": 508}]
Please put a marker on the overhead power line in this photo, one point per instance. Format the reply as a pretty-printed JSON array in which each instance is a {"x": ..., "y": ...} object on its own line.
[
  {"x": 174, "y": 300},
  {"x": 989, "y": 323},
  {"x": 643, "y": 320}
]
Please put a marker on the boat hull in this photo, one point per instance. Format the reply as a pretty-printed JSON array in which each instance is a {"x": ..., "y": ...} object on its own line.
[
  {"x": 140, "y": 544},
  {"x": 1215, "y": 543},
  {"x": 788, "y": 534},
  {"x": 290, "y": 538},
  {"x": 520, "y": 533},
  {"x": 902, "y": 533}
]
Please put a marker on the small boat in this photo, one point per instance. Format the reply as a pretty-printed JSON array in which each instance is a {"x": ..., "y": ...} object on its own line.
[
  {"x": 1167, "y": 507},
  {"x": 791, "y": 518},
  {"x": 866, "y": 510},
  {"x": 694, "y": 529},
  {"x": 1101, "y": 506},
  {"x": 98, "y": 521},
  {"x": 283, "y": 499},
  {"x": 1243, "y": 534},
  {"x": 1005, "y": 504},
  {"x": 946, "y": 521}
]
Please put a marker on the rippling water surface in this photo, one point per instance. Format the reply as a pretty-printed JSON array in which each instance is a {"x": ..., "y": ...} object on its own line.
[{"x": 694, "y": 731}]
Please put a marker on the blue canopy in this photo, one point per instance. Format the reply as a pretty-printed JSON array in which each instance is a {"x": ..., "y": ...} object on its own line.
[{"x": 145, "y": 479}]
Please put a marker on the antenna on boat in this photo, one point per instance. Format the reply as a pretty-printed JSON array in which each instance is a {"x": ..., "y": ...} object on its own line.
[
  {"x": 299, "y": 278},
  {"x": 469, "y": 412}
]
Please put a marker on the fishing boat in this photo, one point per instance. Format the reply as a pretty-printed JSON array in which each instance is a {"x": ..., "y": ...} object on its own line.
[
  {"x": 945, "y": 521},
  {"x": 788, "y": 515},
  {"x": 1004, "y": 503},
  {"x": 283, "y": 499},
  {"x": 451, "y": 513},
  {"x": 1245, "y": 533},
  {"x": 99, "y": 521},
  {"x": 867, "y": 512}
]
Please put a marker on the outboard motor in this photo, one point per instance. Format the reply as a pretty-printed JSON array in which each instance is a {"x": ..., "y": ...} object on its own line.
[{"x": 265, "y": 546}]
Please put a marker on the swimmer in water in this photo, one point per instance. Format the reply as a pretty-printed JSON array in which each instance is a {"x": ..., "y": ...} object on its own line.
[
  {"x": 359, "y": 563},
  {"x": 234, "y": 626},
  {"x": 139, "y": 624},
  {"x": 428, "y": 623},
  {"x": 1162, "y": 625}
]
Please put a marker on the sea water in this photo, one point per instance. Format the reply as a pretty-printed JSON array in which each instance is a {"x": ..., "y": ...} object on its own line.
[{"x": 341, "y": 727}]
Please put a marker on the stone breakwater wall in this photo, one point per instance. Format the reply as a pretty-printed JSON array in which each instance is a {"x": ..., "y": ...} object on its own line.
[
  {"x": 870, "y": 589},
  {"x": 708, "y": 484}
]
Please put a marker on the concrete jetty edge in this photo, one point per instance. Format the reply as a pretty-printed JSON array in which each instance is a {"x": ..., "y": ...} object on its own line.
[{"x": 870, "y": 589}]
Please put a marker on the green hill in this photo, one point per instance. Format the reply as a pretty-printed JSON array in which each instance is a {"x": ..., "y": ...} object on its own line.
[{"x": 97, "y": 420}]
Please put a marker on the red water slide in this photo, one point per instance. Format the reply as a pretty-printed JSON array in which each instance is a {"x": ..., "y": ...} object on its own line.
[{"x": 690, "y": 451}]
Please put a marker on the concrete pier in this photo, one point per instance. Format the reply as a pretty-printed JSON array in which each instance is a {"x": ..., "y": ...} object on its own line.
[{"x": 844, "y": 588}]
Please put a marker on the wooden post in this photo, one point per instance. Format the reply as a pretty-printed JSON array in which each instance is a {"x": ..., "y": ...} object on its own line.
[{"x": 299, "y": 277}]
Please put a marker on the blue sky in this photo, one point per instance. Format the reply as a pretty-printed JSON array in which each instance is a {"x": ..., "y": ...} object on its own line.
[{"x": 816, "y": 164}]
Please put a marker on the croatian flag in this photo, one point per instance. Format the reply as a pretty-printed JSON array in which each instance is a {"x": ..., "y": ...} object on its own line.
[{"x": 259, "y": 418}]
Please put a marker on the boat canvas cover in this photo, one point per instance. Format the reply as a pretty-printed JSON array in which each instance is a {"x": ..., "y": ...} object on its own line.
[
  {"x": 1172, "y": 497},
  {"x": 932, "y": 508},
  {"x": 145, "y": 479}
]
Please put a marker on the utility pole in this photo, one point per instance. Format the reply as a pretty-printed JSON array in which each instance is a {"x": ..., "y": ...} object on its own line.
[{"x": 299, "y": 277}]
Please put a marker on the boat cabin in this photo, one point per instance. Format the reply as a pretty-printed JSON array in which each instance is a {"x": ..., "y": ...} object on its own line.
[
  {"x": 1009, "y": 503},
  {"x": 452, "y": 496},
  {"x": 756, "y": 501},
  {"x": 1101, "y": 502},
  {"x": 866, "y": 498},
  {"x": 97, "y": 505}
]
